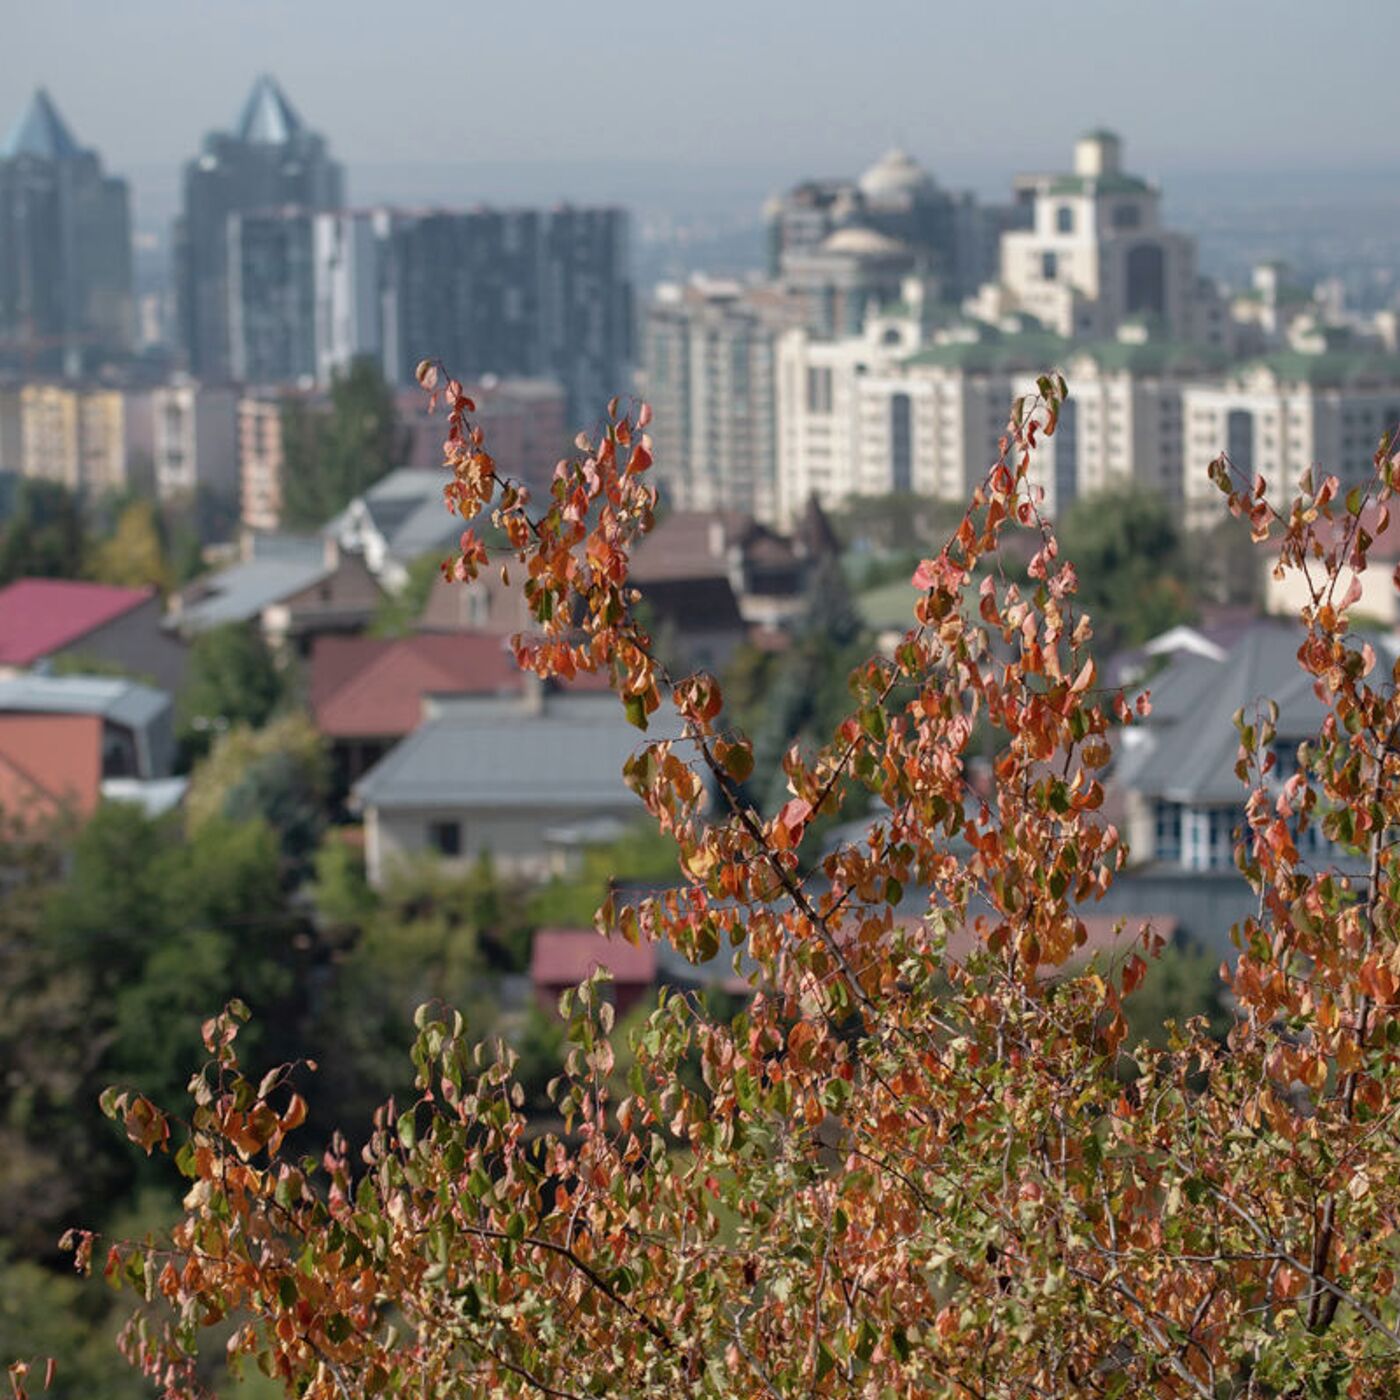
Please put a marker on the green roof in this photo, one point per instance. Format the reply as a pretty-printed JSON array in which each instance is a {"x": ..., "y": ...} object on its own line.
[
  {"x": 1099, "y": 184},
  {"x": 1153, "y": 355},
  {"x": 1331, "y": 367},
  {"x": 1030, "y": 350}
]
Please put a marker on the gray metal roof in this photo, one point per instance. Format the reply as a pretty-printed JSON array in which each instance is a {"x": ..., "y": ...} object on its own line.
[
  {"x": 407, "y": 509},
  {"x": 1186, "y": 752},
  {"x": 240, "y": 592},
  {"x": 121, "y": 701},
  {"x": 569, "y": 756}
]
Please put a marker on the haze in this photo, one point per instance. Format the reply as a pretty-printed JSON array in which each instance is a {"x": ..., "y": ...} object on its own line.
[{"x": 548, "y": 99}]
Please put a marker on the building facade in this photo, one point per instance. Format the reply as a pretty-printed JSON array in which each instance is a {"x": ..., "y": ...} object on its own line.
[
  {"x": 65, "y": 248},
  {"x": 270, "y": 160},
  {"x": 195, "y": 428}
]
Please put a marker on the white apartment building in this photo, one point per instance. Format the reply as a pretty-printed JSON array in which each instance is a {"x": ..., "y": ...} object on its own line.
[
  {"x": 1280, "y": 415},
  {"x": 347, "y": 253},
  {"x": 195, "y": 428},
  {"x": 709, "y": 351},
  {"x": 1097, "y": 256}
]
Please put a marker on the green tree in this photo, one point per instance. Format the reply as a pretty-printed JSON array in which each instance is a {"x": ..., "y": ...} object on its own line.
[
  {"x": 332, "y": 454},
  {"x": 397, "y": 614},
  {"x": 1134, "y": 576},
  {"x": 44, "y": 537},
  {"x": 279, "y": 774},
  {"x": 134, "y": 554},
  {"x": 234, "y": 679}
]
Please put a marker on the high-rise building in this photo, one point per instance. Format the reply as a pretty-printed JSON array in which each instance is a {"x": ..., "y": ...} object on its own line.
[
  {"x": 1097, "y": 256},
  {"x": 708, "y": 356},
  {"x": 65, "y": 248},
  {"x": 512, "y": 293},
  {"x": 196, "y": 450},
  {"x": 270, "y": 160}
]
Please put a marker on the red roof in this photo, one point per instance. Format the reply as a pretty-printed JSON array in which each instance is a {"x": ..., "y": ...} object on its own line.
[
  {"x": 49, "y": 764},
  {"x": 39, "y": 616},
  {"x": 563, "y": 957},
  {"x": 363, "y": 687}
]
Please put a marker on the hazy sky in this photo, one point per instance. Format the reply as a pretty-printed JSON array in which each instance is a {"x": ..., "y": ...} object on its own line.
[{"x": 975, "y": 89}]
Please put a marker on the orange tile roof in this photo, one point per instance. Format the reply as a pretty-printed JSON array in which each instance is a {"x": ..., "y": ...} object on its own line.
[{"x": 363, "y": 687}]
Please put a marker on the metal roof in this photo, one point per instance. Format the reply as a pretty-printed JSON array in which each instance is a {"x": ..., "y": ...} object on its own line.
[
  {"x": 240, "y": 592},
  {"x": 267, "y": 118},
  {"x": 40, "y": 132},
  {"x": 122, "y": 701},
  {"x": 494, "y": 754}
]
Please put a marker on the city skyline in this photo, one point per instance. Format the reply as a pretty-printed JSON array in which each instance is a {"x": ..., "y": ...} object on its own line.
[{"x": 755, "y": 96}]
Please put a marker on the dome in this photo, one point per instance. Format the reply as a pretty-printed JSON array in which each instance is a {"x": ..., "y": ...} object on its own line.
[
  {"x": 863, "y": 243},
  {"x": 895, "y": 176}
]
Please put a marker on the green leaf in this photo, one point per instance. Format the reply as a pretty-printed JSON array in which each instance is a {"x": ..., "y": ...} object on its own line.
[{"x": 408, "y": 1129}]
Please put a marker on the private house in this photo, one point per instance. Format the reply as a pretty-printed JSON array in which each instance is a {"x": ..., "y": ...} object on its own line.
[
  {"x": 66, "y": 742},
  {"x": 46, "y": 621},
  {"x": 294, "y": 588},
  {"x": 367, "y": 693},
  {"x": 562, "y": 957},
  {"x": 521, "y": 778},
  {"x": 402, "y": 517},
  {"x": 1175, "y": 771}
]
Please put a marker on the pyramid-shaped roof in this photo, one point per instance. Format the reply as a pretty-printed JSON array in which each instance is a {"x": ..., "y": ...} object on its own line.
[
  {"x": 267, "y": 118},
  {"x": 40, "y": 132}
]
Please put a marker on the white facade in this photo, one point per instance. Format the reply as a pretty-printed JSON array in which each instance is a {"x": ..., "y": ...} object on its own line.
[
  {"x": 346, "y": 254},
  {"x": 1279, "y": 417},
  {"x": 1097, "y": 256},
  {"x": 195, "y": 428},
  {"x": 709, "y": 356}
]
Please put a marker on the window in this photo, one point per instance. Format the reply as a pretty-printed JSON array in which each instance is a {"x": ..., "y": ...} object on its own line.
[
  {"x": 1064, "y": 218},
  {"x": 1168, "y": 831},
  {"x": 818, "y": 390},
  {"x": 901, "y": 444},
  {"x": 445, "y": 838},
  {"x": 1126, "y": 216},
  {"x": 1049, "y": 266}
]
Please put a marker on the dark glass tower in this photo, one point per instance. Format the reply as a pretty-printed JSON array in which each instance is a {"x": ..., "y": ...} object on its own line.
[
  {"x": 65, "y": 248},
  {"x": 268, "y": 161}
]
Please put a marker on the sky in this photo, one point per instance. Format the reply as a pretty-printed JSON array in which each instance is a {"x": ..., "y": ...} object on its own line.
[{"x": 720, "y": 94}]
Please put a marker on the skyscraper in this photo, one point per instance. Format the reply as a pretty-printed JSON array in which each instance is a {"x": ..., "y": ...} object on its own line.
[
  {"x": 65, "y": 247},
  {"x": 269, "y": 160}
]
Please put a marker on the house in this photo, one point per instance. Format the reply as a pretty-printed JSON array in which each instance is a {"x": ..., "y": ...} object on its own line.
[
  {"x": 66, "y": 742},
  {"x": 508, "y": 776},
  {"x": 295, "y": 588},
  {"x": 1175, "y": 771},
  {"x": 561, "y": 958},
  {"x": 402, "y": 517},
  {"x": 1379, "y": 600},
  {"x": 43, "y": 621},
  {"x": 367, "y": 693}
]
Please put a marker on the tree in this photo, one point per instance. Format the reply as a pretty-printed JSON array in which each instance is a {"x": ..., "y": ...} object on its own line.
[
  {"x": 233, "y": 679},
  {"x": 332, "y": 455},
  {"x": 134, "y": 554},
  {"x": 44, "y": 537},
  {"x": 1134, "y": 577},
  {"x": 899, "y": 1172}
]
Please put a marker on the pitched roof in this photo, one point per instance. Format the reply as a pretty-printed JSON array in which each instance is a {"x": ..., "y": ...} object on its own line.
[
  {"x": 49, "y": 764},
  {"x": 693, "y": 604},
  {"x": 1186, "y": 751},
  {"x": 267, "y": 118},
  {"x": 362, "y": 686},
  {"x": 39, "y": 616},
  {"x": 563, "y": 957},
  {"x": 240, "y": 592},
  {"x": 40, "y": 132},
  {"x": 494, "y": 754},
  {"x": 111, "y": 697},
  {"x": 407, "y": 509}
]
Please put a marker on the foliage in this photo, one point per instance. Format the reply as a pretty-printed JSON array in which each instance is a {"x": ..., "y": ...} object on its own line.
[
  {"x": 900, "y": 1173},
  {"x": 644, "y": 856},
  {"x": 397, "y": 614},
  {"x": 233, "y": 679},
  {"x": 44, "y": 537},
  {"x": 134, "y": 554},
  {"x": 279, "y": 774},
  {"x": 897, "y": 522},
  {"x": 334, "y": 454},
  {"x": 1133, "y": 570}
]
